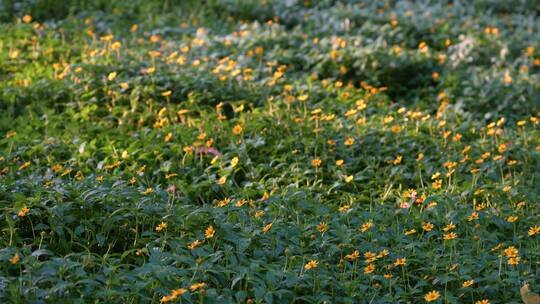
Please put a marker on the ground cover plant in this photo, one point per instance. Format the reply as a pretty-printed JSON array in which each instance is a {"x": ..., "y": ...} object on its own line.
[{"x": 269, "y": 151}]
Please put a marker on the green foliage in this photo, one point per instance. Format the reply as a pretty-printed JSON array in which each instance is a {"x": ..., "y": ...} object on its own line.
[{"x": 276, "y": 151}]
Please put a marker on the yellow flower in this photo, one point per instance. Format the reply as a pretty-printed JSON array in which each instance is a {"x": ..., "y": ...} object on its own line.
[
  {"x": 15, "y": 259},
  {"x": 148, "y": 191},
  {"x": 511, "y": 252},
  {"x": 116, "y": 45},
  {"x": 339, "y": 162},
  {"x": 311, "y": 264},
  {"x": 303, "y": 97},
  {"x": 111, "y": 76},
  {"x": 450, "y": 236},
  {"x": 11, "y": 134},
  {"x": 168, "y": 137},
  {"x": 507, "y": 78},
  {"x": 26, "y": 164},
  {"x": 179, "y": 292},
  {"x": 409, "y": 232},
  {"x": 222, "y": 180},
  {"x": 322, "y": 227},
  {"x": 27, "y": 18},
  {"x": 349, "y": 141},
  {"x": 344, "y": 208},
  {"x": 534, "y": 230},
  {"x": 467, "y": 283},
  {"x": 511, "y": 219},
  {"x": 234, "y": 162},
  {"x": 150, "y": 70},
  {"x": 423, "y": 47},
  {"x": 209, "y": 232},
  {"x": 400, "y": 262},
  {"x": 353, "y": 256},
  {"x": 166, "y": 93},
  {"x": 383, "y": 253},
  {"x": 369, "y": 269},
  {"x": 395, "y": 129},
  {"x": 432, "y": 296},
  {"x": 162, "y": 226},
  {"x": 427, "y": 226},
  {"x": 267, "y": 227},
  {"x": 168, "y": 298},
  {"x": 473, "y": 216},
  {"x": 485, "y": 301},
  {"x": 194, "y": 244},
  {"x": 237, "y": 130},
  {"x": 437, "y": 184},
  {"x": 349, "y": 178},
  {"x": 197, "y": 286},
  {"x": 366, "y": 226},
  {"x": 316, "y": 162},
  {"x": 23, "y": 211}
]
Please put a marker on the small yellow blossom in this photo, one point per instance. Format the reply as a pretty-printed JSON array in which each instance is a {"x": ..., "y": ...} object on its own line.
[
  {"x": 209, "y": 232},
  {"x": 197, "y": 286},
  {"x": 534, "y": 230},
  {"x": 234, "y": 161},
  {"x": 432, "y": 296},
  {"x": 15, "y": 259},
  {"x": 467, "y": 283},
  {"x": 322, "y": 227},
  {"x": 27, "y": 18},
  {"x": 427, "y": 226},
  {"x": 162, "y": 226},
  {"x": 267, "y": 227},
  {"x": 111, "y": 76},
  {"x": 450, "y": 236},
  {"x": 194, "y": 244},
  {"x": 311, "y": 264}
]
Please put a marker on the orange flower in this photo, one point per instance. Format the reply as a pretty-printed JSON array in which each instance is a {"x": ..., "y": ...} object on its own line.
[
  {"x": 322, "y": 227},
  {"x": 311, "y": 264},
  {"x": 27, "y": 18},
  {"x": 15, "y": 259},
  {"x": 534, "y": 230},
  {"x": 162, "y": 226},
  {"x": 427, "y": 226},
  {"x": 266, "y": 228},
  {"x": 432, "y": 296},
  {"x": 111, "y": 76},
  {"x": 209, "y": 232},
  {"x": 197, "y": 286},
  {"x": 369, "y": 269},
  {"x": 166, "y": 93},
  {"x": 194, "y": 244},
  {"x": 23, "y": 211},
  {"x": 237, "y": 130},
  {"x": 400, "y": 262},
  {"x": 467, "y": 283},
  {"x": 450, "y": 236},
  {"x": 316, "y": 162},
  {"x": 353, "y": 256},
  {"x": 222, "y": 180}
]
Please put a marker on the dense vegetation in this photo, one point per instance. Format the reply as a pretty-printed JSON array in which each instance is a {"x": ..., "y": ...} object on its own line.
[{"x": 269, "y": 151}]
